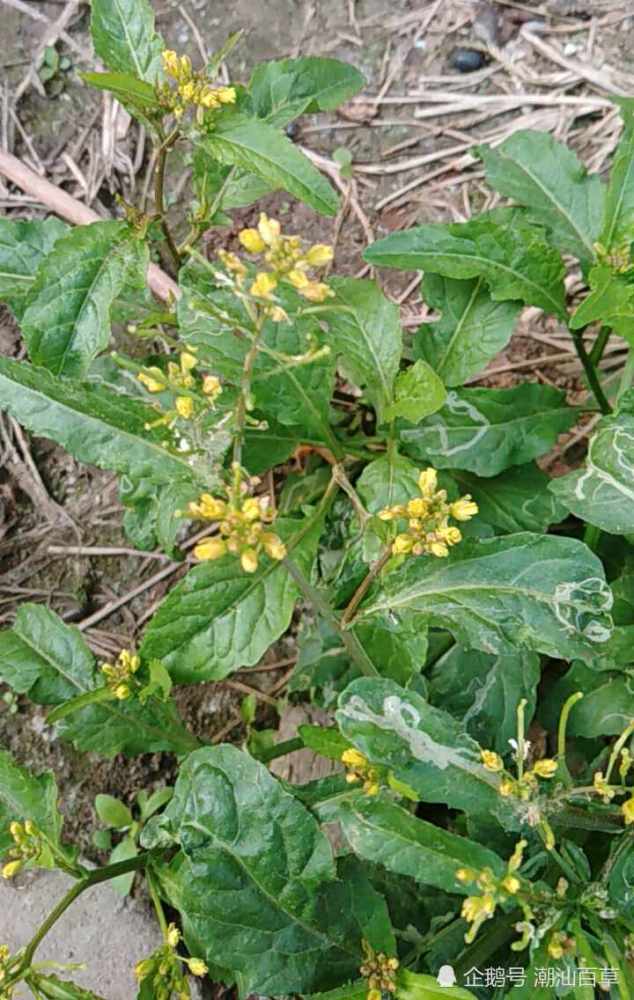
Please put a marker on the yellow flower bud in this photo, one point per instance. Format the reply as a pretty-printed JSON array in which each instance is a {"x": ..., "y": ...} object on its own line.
[
  {"x": 463, "y": 509},
  {"x": 319, "y": 255},
  {"x": 208, "y": 98},
  {"x": 373, "y": 995},
  {"x": 11, "y": 868},
  {"x": 264, "y": 285},
  {"x": 185, "y": 407},
  {"x": 197, "y": 967},
  {"x": 439, "y": 549},
  {"x": 251, "y": 240},
  {"x": 371, "y": 788},
  {"x": 187, "y": 91},
  {"x": 278, "y": 315},
  {"x": 170, "y": 63},
  {"x": 172, "y": 936},
  {"x": 188, "y": 361},
  {"x": 353, "y": 758},
  {"x": 210, "y": 548},
  {"x": 212, "y": 386},
  {"x": 516, "y": 857},
  {"x": 17, "y": 831},
  {"x": 185, "y": 67},
  {"x": 511, "y": 884},
  {"x": 352, "y": 778},
  {"x": 628, "y": 811},
  {"x": 226, "y": 95},
  {"x": 208, "y": 507},
  {"x": 478, "y": 907},
  {"x": 152, "y": 380},
  {"x": 387, "y": 514},
  {"x": 492, "y": 761},
  {"x": 507, "y": 787},
  {"x": 402, "y": 544},
  {"x": 545, "y": 768},
  {"x": 269, "y": 229},
  {"x": 427, "y": 482},
  {"x": 273, "y": 545},
  {"x": 121, "y": 692},
  {"x": 417, "y": 507},
  {"x": 298, "y": 278},
  {"x": 251, "y": 509},
  {"x": 316, "y": 291},
  {"x": 143, "y": 968},
  {"x": 466, "y": 875},
  {"x": 232, "y": 262},
  {"x": 450, "y": 535},
  {"x": 249, "y": 560}
]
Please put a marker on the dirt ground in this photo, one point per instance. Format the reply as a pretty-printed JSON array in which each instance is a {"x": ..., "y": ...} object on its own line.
[{"x": 408, "y": 136}]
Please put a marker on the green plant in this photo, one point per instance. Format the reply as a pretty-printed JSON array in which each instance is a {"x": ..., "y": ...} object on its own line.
[{"x": 479, "y": 662}]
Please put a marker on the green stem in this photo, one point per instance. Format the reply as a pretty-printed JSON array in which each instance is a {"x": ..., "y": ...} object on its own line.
[
  {"x": 600, "y": 344},
  {"x": 590, "y": 371},
  {"x": 618, "y": 746},
  {"x": 281, "y": 749},
  {"x": 592, "y": 536},
  {"x": 159, "y": 195},
  {"x": 156, "y": 900},
  {"x": 198, "y": 228},
  {"x": 364, "y": 586},
  {"x": 569, "y": 704},
  {"x": 243, "y": 404}
]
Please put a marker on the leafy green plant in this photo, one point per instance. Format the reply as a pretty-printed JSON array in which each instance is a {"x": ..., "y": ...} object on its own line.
[{"x": 466, "y": 621}]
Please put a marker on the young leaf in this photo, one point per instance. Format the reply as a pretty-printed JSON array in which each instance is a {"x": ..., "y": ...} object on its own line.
[
  {"x": 23, "y": 796},
  {"x": 366, "y": 334},
  {"x": 510, "y": 255},
  {"x": 547, "y": 178},
  {"x": 489, "y": 430},
  {"x": 618, "y": 223},
  {"x": 516, "y": 500},
  {"x": 23, "y": 247},
  {"x": 473, "y": 327},
  {"x": 602, "y": 493},
  {"x": 540, "y": 592},
  {"x": 220, "y": 618},
  {"x": 113, "y": 812},
  {"x": 418, "y": 392},
  {"x": 67, "y": 319},
  {"x": 384, "y": 833},
  {"x": 263, "y": 150},
  {"x": 286, "y": 88},
  {"x": 257, "y": 904},
  {"x": 124, "y": 37}
]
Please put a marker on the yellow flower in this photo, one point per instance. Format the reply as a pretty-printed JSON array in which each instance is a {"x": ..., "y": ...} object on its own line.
[
  {"x": 249, "y": 560},
  {"x": 208, "y": 507},
  {"x": 511, "y": 884},
  {"x": 628, "y": 811},
  {"x": 515, "y": 860},
  {"x": 11, "y": 868},
  {"x": 226, "y": 95},
  {"x": 417, "y": 507},
  {"x": 185, "y": 407},
  {"x": 212, "y": 386},
  {"x": 545, "y": 768},
  {"x": 197, "y": 967},
  {"x": 492, "y": 761},
  {"x": 269, "y": 229},
  {"x": 507, "y": 787},
  {"x": 251, "y": 240},
  {"x": 450, "y": 534},
  {"x": 172, "y": 936},
  {"x": 438, "y": 549},
  {"x": 298, "y": 279},
  {"x": 210, "y": 548},
  {"x": 143, "y": 968},
  {"x": 316, "y": 291},
  {"x": 353, "y": 758},
  {"x": 122, "y": 691},
  {"x": 319, "y": 255},
  {"x": 188, "y": 361},
  {"x": 478, "y": 907},
  {"x": 151, "y": 379},
  {"x": 402, "y": 544},
  {"x": 428, "y": 482},
  {"x": 233, "y": 263},
  {"x": 273, "y": 545},
  {"x": 187, "y": 91},
  {"x": 171, "y": 63},
  {"x": 463, "y": 509},
  {"x": 264, "y": 285}
]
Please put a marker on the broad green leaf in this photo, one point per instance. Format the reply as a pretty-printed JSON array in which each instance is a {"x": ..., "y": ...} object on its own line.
[
  {"x": 23, "y": 247},
  {"x": 618, "y": 224},
  {"x": 510, "y": 255},
  {"x": 56, "y": 659},
  {"x": 602, "y": 493},
  {"x": 264, "y": 448},
  {"x": 96, "y": 426},
  {"x": 547, "y": 178},
  {"x": 387, "y": 481},
  {"x": 113, "y": 812},
  {"x": 323, "y": 666},
  {"x": 483, "y": 692},
  {"x": 424, "y": 747},
  {"x": 607, "y": 706},
  {"x": 124, "y": 37},
  {"x": 260, "y": 892},
  {"x": 240, "y": 189},
  {"x": 489, "y": 430},
  {"x": 24, "y": 796},
  {"x": 365, "y": 332},
  {"x": 262, "y": 149},
  {"x": 498, "y": 594},
  {"x": 516, "y": 500},
  {"x": 395, "y": 643},
  {"x": 324, "y": 740},
  {"x": 473, "y": 327},
  {"x": 67, "y": 319},
  {"x": 609, "y": 301},
  {"x": 286, "y": 88},
  {"x": 621, "y": 878},
  {"x": 382, "y": 832},
  {"x": 418, "y": 392},
  {"x": 370, "y": 919},
  {"x": 138, "y": 97},
  {"x": 220, "y": 618}
]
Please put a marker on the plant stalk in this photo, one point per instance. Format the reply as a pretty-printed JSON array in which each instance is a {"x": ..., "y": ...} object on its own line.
[
  {"x": 159, "y": 195},
  {"x": 364, "y": 586},
  {"x": 590, "y": 372}
]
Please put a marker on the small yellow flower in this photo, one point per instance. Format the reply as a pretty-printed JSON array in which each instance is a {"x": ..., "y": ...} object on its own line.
[
  {"x": 511, "y": 884},
  {"x": 319, "y": 255},
  {"x": 463, "y": 509},
  {"x": 171, "y": 63},
  {"x": 466, "y": 875},
  {"x": 491, "y": 760},
  {"x": 628, "y": 811},
  {"x": 298, "y": 279},
  {"x": 185, "y": 407},
  {"x": 212, "y": 386},
  {"x": 208, "y": 507},
  {"x": 273, "y": 545},
  {"x": 122, "y": 691},
  {"x": 251, "y": 240},
  {"x": 251, "y": 509},
  {"x": 545, "y": 768},
  {"x": 450, "y": 534},
  {"x": 210, "y": 548},
  {"x": 316, "y": 291},
  {"x": 172, "y": 936},
  {"x": 11, "y": 869},
  {"x": 428, "y": 482},
  {"x": 478, "y": 907},
  {"x": 188, "y": 361},
  {"x": 249, "y": 560},
  {"x": 602, "y": 787},
  {"x": 233, "y": 263},
  {"x": 226, "y": 95},
  {"x": 153, "y": 380},
  {"x": 402, "y": 544},
  {"x": 197, "y": 967},
  {"x": 438, "y": 549},
  {"x": 417, "y": 507},
  {"x": 187, "y": 91},
  {"x": 507, "y": 788},
  {"x": 353, "y": 758},
  {"x": 269, "y": 229},
  {"x": 264, "y": 285}
]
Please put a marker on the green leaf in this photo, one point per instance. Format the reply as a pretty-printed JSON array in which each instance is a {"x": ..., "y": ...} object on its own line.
[
  {"x": 286, "y": 88},
  {"x": 602, "y": 493},
  {"x": 473, "y": 327},
  {"x": 547, "y": 178},
  {"x": 54, "y": 988},
  {"x": 384, "y": 833},
  {"x": 324, "y": 740},
  {"x": 618, "y": 224},
  {"x": 412, "y": 986},
  {"x": 112, "y": 812},
  {"x": 621, "y": 878},
  {"x": 418, "y": 392},
  {"x": 95, "y": 425},
  {"x": 260, "y": 887},
  {"x": 489, "y": 430},
  {"x": 263, "y": 150},
  {"x": 24, "y": 796},
  {"x": 517, "y": 500},
  {"x": 609, "y": 301},
  {"x": 124, "y": 850},
  {"x": 510, "y": 255},
  {"x": 498, "y": 594},
  {"x": 220, "y": 618},
  {"x": 424, "y": 747},
  {"x": 67, "y": 319},
  {"x": 23, "y": 247},
  {"x": 365, "y": 332},
  {"x": 607, "y": 706},
  {"x": 124, "y": 37},
  {"x": 483, "y": 692},
  {"x": 387, "y": 481},
  {"x": 135, "y": 95}
]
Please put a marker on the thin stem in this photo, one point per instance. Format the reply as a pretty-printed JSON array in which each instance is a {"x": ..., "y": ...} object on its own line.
[
  {"x": 569, "y": 704},
  {"x": 600, "y": 344},
  {"x": 156, "y": 900},
  {"x": 363, "y": 587},
  {"x": 281, "y": 749},
  {"x": 243, "y": 404},
  {"x": 159, "y": 195},
  {"x": 521, "y": 743},
  {"x": 347, "y": 487},
  {"x": 590, "y": 371},
  {"x": 618, "y": 746},
  {"x": 198, "y": 228}
]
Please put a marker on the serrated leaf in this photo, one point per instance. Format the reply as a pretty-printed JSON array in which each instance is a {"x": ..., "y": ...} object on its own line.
[
  {"x": 366, "y": 334},
  {"x": 618, "y": 224},
  {"x": 610, "y": 301},
  {"x": 510, "y": 255},
  {"x": 547, "y": 178},
  {"x": 125, "y": 39},
  {"x": 602, "y": 493},
  {"x": 489, "y": 430},
  {"x": 220, "y": 618},
  {"x": 23, "y": 247},
  {"x": 424, "y": 747},
  {"x": 380, "y": 831},
  {"x": 95, "y": 425},
  {"x": 67, "y": 319},
  {"x": 25, "y": 796},
  {"x": 418, "y": 392},
  {"x": 257, "y": 903},
  {"x": 261, "y": 149},
  {"x": 516, "y": 500},
  {"x": 473, "y": 327},
  {"x": 283, "y": 89},
  {"x": 483, "y": 692},
  {"x": 543, "y": 593}
]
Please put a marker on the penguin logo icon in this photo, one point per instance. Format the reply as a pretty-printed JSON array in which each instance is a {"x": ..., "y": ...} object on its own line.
[{"x": 446, "y": 976}]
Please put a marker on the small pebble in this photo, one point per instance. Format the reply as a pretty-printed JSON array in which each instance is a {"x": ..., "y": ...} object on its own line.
[
  {"x": 467, "y": 60},
  {"x": 293, "y": 131}
]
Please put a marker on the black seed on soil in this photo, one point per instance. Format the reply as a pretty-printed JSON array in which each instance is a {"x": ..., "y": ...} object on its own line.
[{"x": 467, "y": 60}]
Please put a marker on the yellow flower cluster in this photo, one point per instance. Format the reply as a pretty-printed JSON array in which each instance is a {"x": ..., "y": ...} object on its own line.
[
  {"x": 179, "y": 377},
  {"x": 120, "y": 676},
  {"x": 242, "y": 523},
  {"x": 495, "y": 890},
  {"x": 165, "y": 968},
  {"x": 617, "y": 258},
  {"x": 428, "y": 529},
  {"x": 524, "y": 787},
  {"x": 608, "y": 791},
  {"x": 360, "y": 769},
  {"x": 288, "y": 260},
  {"x": 27, "y": 841},
  {"x": 192, "y": 89},
  {"x": 380, "y": 971}
]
